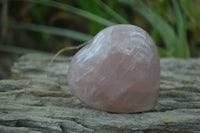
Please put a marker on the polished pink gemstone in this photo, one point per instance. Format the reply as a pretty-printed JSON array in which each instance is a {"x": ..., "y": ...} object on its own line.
[{"x": 119, "y": 71}]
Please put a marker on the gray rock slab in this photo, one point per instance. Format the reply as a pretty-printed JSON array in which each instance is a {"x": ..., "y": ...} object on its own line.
[{"x": 38, "y": 100}]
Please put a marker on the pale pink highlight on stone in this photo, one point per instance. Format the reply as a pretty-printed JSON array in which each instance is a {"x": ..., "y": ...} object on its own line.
[{"x": 119, "y": 71}]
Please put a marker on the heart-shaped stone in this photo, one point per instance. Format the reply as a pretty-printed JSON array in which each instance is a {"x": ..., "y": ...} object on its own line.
[{"x": 119, "y": 71}]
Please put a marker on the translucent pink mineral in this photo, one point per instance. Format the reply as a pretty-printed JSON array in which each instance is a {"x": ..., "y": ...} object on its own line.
[{"x": 119, "y": 71}]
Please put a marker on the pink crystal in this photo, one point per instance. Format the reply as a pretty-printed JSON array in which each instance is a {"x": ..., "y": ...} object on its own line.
[{"x": 119, "y": 71}]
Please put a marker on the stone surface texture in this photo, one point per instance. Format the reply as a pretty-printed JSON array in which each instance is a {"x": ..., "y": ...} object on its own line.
[
  {"x": 119, "y": 71},
  {"x": 34, "y": 102}
]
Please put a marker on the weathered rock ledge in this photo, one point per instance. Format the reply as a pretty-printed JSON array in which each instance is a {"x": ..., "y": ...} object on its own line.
[{"x": 36, "y": 101}]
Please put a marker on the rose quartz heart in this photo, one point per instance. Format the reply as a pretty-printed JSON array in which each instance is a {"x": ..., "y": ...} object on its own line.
[{"x": 119, "y": 71}]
